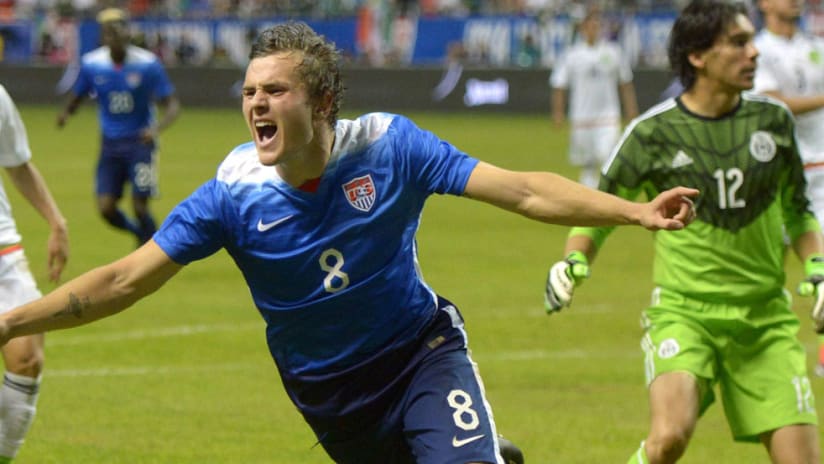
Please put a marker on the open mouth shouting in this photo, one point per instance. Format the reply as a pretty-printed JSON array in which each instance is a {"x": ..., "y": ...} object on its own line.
[{"x": 266, "y": 131}]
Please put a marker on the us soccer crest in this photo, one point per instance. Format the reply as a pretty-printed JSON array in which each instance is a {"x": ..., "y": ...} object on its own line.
[
  {"x": 133, "y": 79},
  {"x": 360, "y": 192}
]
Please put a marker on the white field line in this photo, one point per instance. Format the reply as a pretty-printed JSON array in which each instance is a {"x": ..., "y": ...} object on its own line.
[
  {"x": 149, "y": 370},
  {"x": 187, "y": 330},
  {"x": 142, "y": 334}
]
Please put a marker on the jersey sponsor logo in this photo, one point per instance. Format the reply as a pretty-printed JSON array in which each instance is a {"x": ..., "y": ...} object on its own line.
[
  {"x": 457, "y": 443},
  {"x": 762, "y": 146},
  {"x": 264, "y": 226},
  {"x": 668, "y": 348},
  {"x": 681, "y": 159},
  {"x": 360, "y": 192}
]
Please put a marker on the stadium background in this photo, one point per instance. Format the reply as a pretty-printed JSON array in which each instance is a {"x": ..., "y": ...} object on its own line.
[{"x": 184, "y": 376}]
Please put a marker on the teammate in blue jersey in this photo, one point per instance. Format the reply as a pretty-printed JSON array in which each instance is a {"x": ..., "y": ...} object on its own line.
[
  {"x": 320, "y": 215},
  {"x": 128, "y": 82}
]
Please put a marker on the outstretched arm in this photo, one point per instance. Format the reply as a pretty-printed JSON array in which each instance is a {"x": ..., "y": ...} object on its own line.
[
  {"x": 99, "y": 293},
  {"x": 31, "y": 185},
  {"x": 552, "y": 198}
]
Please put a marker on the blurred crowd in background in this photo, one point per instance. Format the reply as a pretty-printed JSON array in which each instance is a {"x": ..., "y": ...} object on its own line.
[
  {"x": 245, "y": 9},
  {"x": 491, "y": 33}
]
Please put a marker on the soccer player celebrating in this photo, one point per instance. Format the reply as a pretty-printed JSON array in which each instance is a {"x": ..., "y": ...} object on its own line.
[
  {"x": 127, "y": 82},
  {"x": 320, "y": 215},
  {"x": 719, "y": 315}
]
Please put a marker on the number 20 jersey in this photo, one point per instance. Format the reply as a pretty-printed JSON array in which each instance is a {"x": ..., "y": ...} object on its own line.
[
  {"x": 124, "y": 92},
  {"x": 746, "y": 165},
  {"x": 334, "y": 273}
]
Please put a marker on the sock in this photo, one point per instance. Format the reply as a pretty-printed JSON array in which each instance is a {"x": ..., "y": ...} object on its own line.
[
  {"x": 146, "y": 228},
  {"x": 639, "y": 457},
  {"x": 120, "y": 221},
  {"x": 18, "y": 399}
]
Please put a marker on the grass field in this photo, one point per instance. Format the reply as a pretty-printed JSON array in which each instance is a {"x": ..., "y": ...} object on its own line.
[{"x": 184, "y": 376}]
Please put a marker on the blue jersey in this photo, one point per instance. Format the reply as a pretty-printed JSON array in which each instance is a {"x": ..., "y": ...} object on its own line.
[
  {"x": 125, "y": 93},
  {"x": 334, "y": 273}
]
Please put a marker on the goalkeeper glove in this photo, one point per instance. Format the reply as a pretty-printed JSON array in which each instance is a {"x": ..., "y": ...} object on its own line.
[
  {"x": 813, "y": 285},
  {"x": 562, "y": 279}
]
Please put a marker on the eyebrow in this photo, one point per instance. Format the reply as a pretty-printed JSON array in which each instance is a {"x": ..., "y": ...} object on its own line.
[
  {"x": 740, "y": 34},
  {"x": 266, "y": 87}
]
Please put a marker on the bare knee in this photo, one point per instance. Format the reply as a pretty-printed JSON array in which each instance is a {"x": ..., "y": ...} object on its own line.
[
  {"x": 667, "y": 445},
  {"x": 107, "y": 206},
  {"x": 140, "y": 206},
  {"x": 674, "y": 400},
  {"x": 24, "y": 356},
  {"x": 28, "y": 366}
]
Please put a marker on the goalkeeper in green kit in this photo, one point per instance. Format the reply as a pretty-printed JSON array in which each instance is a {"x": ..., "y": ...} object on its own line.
[{"x": 720, "y": 319}]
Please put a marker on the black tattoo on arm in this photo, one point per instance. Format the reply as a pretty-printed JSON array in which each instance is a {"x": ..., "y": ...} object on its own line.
[{"x": 74, "y": 308}]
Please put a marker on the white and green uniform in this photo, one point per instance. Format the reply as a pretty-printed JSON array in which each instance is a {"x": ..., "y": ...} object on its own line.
[
  {"x": 592, "y": 75},
  {"x": 720, "y": 310},
  {"x": 795, "y": 68}
]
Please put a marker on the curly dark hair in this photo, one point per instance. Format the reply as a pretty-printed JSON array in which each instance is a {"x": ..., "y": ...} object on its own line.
[
  {"x": 320, "y": 68},
  {"x": 696, "y": 29}
]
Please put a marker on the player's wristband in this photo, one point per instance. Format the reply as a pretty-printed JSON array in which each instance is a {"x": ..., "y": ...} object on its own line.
[
  {"x": 814, "y": 265},
  {"x": 577, "y": 256},
  {"x": 579, "y": 265}
]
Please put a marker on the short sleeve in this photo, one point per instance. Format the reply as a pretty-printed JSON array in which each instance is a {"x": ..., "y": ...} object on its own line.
[
  {"x": 194, "y": 229},
  {"x": 434, "y": 165},
  {"x": 14, "y": 143},
  {"x": 559, "y": 78}
]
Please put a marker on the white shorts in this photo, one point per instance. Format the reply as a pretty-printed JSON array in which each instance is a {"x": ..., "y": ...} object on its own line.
[
  {"x": 17, "y": 285},
  {"x": 815, "y": 190},
  {"x": 591, "y": 146}
]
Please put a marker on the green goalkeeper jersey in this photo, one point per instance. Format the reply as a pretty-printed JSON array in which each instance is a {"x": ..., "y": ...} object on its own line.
[{"x": 747, "y": 167}]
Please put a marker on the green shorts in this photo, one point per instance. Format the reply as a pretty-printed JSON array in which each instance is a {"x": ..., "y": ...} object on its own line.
[{"x": 750, "y": 351}]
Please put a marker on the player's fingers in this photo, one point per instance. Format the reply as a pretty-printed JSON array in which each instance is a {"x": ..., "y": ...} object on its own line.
[
  {"x": 57, "y": 262},
  {"x": 674, "y": 224},
  {"x": 685, "y": 192},
  {"x": 686, "y": 212}
]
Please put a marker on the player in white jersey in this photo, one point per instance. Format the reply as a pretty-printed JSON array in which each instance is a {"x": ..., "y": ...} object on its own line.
[
  {"x": 320, "y": 216},
  {"x": 23, "y": 358},
  {"x": 791, "y": 68},
  {"x": 593, "y": 72}
]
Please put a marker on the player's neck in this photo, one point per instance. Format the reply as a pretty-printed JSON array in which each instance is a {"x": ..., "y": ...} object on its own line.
[
  {"x": 781, "y": 27},
  {"x": 311, "y": 163},
  {"x": 709, "y": 102},
  {"x": 118, "y": 55}
]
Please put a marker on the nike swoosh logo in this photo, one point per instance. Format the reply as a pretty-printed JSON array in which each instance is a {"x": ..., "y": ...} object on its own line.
[
  {"x": 458, "y": 443},
  {"x": 261, "y": 227}
]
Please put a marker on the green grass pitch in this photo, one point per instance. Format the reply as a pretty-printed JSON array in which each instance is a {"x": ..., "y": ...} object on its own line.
[{"x": 184, "y": 376}]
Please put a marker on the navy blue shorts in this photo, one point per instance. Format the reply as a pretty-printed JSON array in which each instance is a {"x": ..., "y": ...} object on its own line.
[
  {"x": 431, "y": 409},
  {"x": 127, "y": 160}
]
